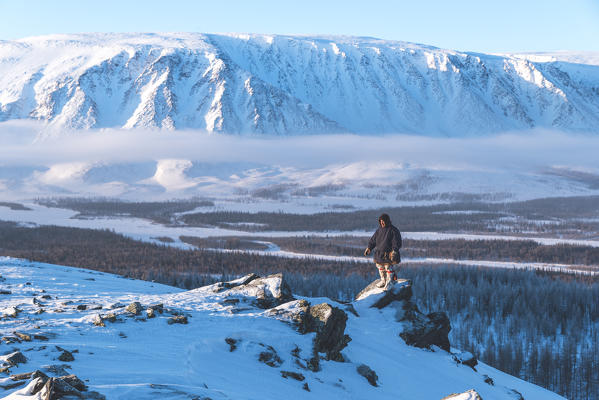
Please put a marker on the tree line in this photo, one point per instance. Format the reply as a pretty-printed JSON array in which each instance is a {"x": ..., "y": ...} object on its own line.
[
  {"x": 570, "y": 216},
  {"x": 457, "y": 249}
]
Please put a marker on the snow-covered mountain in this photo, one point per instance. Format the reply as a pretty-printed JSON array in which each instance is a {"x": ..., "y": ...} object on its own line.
[
  {"x": 89, "y": 335},
  {"x": 291, "y": 85}
]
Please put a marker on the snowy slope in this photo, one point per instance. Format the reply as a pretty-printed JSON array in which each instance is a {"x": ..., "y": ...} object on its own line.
[
  {"x": 291, "y": 85},
  {"x": 143, "y": 358}
]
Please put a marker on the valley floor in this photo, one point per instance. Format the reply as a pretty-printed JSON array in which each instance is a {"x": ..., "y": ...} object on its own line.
[{"x": 153, "y": 232}]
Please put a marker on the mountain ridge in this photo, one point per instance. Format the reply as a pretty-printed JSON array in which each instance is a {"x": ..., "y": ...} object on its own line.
[{"x": 287, "y": 85}]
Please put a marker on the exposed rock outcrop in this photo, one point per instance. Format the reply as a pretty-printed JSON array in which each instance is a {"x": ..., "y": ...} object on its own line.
[
  {"x": 66, "y": 356},
  {"x": 418, "y": 330},
  {"x": 98, "y": 320},
  {"x": 262, "y": 292},
  {"x": 327, "y": 321},
  {"x": 379, "y": 298},
  {"x": 425, "y": 331},
  {"x": 270, "y": 357},
  {"x": 47, "y": 388},
  {"x": 232, "y": 343},
  {"x": 13, "y": 359},
  {"x": 134, "y": 308},
  {"x": 177, "y": 319},
  {"x": 294, "y": 375},
  {"x": 329, "y": 324}
]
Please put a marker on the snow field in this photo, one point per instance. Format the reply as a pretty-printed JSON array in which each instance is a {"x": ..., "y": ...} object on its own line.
[{"x": 145, "y": 359}]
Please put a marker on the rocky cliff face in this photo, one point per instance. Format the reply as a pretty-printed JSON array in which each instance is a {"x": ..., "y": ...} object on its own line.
[{"x": 288, "y": 85}]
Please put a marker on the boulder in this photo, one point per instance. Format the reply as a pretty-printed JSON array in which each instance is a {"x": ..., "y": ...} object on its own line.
[
  {"x": 98, "y": 320},
  {"x": 134, "y": 308},
  {"x": 420, "y": 331},
  {"x": 417, "y": 329},
  {"x": 466, "y": 358},
  {"x": 297, "y": 313},
  {"x": 66, "y": 356},
  {"x": 468, "y": 395},
  {"x": 329, "y": 324},
  {"x": 270, "y": 357},
  {"x": 158, "y": 307},
  {"x": 326, "y": 321},
  {"x": 293, "y": 375},
  {"x": 23, "y": 336},
  {"x": 177, "y": 319},
  {"x": 266, "y": 292},
  {"x": 66, "y": 387},
  {"x": 379, "y": 298},
  {"x": 368, "y": 373},
  {"x": 110, "y": 317},
  {"x": 10, "y": 339},
  {"x": 14, "y": 359},
  {"x": 150, "y": 313},
  {"x": 232, "y": 344},
  {"x": 75, "y": 382}
]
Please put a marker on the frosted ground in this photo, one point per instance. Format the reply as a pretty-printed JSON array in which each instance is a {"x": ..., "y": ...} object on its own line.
[{"x": 150, "y": 358}]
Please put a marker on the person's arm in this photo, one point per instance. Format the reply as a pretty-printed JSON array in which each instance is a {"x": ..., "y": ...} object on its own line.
[
  {"x": 372, "y": 241},
  {"x": 371, "y": 244},
  {"x": 396, "y": 240},
  {"x": 395, "y": 246}
]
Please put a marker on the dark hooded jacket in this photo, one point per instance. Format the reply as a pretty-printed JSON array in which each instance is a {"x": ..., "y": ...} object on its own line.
[{"x": 384, "y": 241}]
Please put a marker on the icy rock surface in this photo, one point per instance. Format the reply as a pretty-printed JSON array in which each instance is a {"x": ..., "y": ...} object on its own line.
[
  {"x": 418, "y": 329},
  {"x": 266, "y": 292},
  {"x": 469, "y": 395},
  {"x": 380, "y": 298}
]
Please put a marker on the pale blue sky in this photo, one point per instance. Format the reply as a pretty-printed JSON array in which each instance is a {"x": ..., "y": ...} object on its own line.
[{"x": 475, "y": 25}]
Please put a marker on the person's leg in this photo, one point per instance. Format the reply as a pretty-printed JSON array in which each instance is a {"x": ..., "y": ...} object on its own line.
[
  {"x": 382, "y": 274},
  {"x": 390, "y": 275}
]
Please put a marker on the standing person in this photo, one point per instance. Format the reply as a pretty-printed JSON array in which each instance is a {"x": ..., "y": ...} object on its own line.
[{"x": 386, "y": 243}]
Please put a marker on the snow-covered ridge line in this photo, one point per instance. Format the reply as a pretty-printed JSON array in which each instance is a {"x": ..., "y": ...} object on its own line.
[
  {"x": 243, "y": 339},
  {"x": 276, "y": 84}
]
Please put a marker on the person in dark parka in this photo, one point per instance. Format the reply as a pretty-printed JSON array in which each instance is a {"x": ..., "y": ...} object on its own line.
[{"x": 386, "y": 243}]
